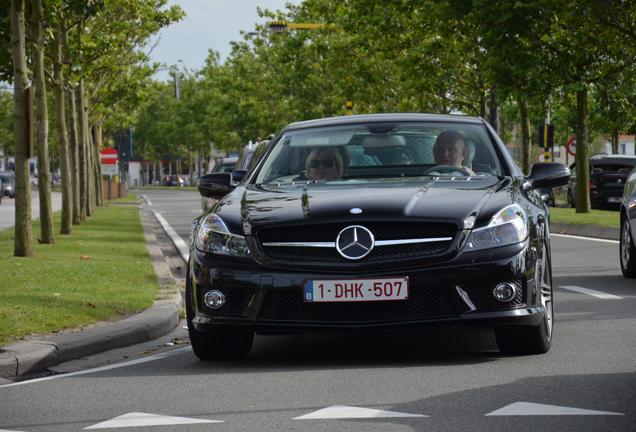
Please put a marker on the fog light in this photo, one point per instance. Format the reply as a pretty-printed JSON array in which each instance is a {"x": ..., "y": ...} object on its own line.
[
  {"x": 214, "y": 299},
  {"x": 505, "y": 292}
]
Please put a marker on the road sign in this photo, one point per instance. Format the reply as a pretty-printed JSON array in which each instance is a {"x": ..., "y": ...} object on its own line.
[
  {"x": 570, "y": 147},
  {"x": 108, "y": 156},
  {"x": 109, "y": 169}
]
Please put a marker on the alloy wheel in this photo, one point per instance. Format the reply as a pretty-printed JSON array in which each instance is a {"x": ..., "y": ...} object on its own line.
[
  {"x": 625, "y": 244},
  {"x": 545, "y": 285}
]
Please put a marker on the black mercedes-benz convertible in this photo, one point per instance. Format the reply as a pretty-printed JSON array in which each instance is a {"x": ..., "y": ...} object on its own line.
[{"x": 374, "y": 221}]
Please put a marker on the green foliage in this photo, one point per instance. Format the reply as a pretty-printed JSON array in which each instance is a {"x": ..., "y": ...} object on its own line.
[
  {"x": 427, "y": 56},
  {"x": 7, "y": 143}
]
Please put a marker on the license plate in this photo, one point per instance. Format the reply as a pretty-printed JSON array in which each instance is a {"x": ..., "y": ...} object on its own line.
[
  {"x": 614, "y": 199},
  {"x": 355, "y": 290}
]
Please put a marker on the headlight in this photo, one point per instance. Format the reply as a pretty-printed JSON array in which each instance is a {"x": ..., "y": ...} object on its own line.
[
  {"x": 508, "y": 226},
  {"x": 214, "y": 237}
]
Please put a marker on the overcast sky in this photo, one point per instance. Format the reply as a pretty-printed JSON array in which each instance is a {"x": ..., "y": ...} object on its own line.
[{"x": 209, "y": 24}]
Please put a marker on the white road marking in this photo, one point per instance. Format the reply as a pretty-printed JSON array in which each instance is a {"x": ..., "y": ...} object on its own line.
[
  {"x": 591, "y": 292},
  {"x": 585, "y": 238},
  {"x": 145, "y": 198},
  {"x": 136, "y": 419},
  {"x": 181, "y": 245},
  {"x": 7, "y": 430},
  {"x": 535, "y": 409},
  {"x": 103, "y": 368},
  {"x": 348, "y": 412}
]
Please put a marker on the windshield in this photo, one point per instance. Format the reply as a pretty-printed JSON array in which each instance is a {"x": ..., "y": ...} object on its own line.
[{"x": 381, "y": 150}]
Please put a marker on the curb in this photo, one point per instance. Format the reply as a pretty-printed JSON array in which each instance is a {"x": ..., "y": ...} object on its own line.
[
  {"x": 162, "y": 317},
  {"x": 592, "y": 231}
]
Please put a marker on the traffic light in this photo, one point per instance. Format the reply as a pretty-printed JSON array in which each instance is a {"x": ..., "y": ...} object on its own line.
[{"x": 545, "y": 135}]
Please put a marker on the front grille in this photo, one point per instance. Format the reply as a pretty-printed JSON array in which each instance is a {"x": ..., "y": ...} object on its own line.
[
  {"x": 379, "y": 253},
  {"x": 288, "y": 305},
  {"x": 380, "y": 230}
]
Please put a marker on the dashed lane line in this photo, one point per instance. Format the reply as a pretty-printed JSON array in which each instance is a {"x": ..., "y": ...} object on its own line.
[{"x": 591, "y": 292}]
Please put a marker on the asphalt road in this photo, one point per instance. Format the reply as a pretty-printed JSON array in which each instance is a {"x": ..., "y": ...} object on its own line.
[{"x": 439, "y": 380}]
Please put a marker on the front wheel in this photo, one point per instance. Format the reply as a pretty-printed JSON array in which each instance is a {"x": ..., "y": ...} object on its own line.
[
  {"x": 223, "y": 343},
  {"x": 627, "y": 250},
  {"x": 538, "y": 339}
]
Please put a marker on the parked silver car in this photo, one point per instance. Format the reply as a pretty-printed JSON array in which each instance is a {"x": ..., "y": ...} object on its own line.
[{"x": 7, "y": 179}]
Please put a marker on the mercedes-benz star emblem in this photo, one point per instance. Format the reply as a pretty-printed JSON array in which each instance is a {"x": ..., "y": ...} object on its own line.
[{"x": 355, "y": 242}]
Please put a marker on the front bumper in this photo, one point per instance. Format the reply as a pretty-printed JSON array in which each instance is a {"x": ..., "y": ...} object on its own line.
[{"x": 456, "y": 293}]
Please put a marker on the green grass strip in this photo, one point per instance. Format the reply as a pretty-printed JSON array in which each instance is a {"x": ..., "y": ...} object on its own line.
[
  {"x": 605, "y": 218},
  {"x": 101, "y": 271}
]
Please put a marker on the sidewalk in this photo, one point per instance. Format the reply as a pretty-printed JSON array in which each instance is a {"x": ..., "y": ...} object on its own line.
[{"x": 36, "y": 355}]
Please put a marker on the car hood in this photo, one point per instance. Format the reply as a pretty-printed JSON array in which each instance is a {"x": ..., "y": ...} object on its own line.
[{"x": 251, "y": 207}]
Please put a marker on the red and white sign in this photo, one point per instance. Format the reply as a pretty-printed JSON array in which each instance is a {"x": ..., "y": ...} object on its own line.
[
  {"x": 108, "y": 156},
  {"x": 571, "y": 146}
]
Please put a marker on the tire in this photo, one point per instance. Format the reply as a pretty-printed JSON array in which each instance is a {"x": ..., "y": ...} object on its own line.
[
  {"x": 222, "y": 343},
  {"x": 537, "y": 339},
  {"x": 627, "y": 250},
  {"x": 571, "y": 202}
]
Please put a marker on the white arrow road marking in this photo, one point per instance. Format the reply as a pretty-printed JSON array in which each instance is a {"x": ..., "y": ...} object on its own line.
[
  {"x": 535, "y": 409},
  {"x": 136, "y": 419},
  {"x": 591, "y": 292},
  {"x": 348, "y": 412},
  {"x": 176, "y": 239}
]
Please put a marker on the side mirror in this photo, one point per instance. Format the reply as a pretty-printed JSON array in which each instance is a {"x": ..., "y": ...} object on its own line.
[
  {"x": 237, "y": 175},
  {"x": 548, "y": 175},
  {"x": 215, "y": 185}
]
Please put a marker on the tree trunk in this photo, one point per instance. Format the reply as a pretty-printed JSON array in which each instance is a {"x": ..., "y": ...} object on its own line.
[
  {"x": 525, "y": 134},
  {"x": 23, "y": 243},
  {"x": 74, "y": 141},
  {"x": 79, "y": 91},
  {"x": 74, "y": 153},
  {"x": 494, "y": 111},
  {"x": 90, "y": 169},
  {"x": 47, "y": 234},
  {"x": 615, "y": 141},
  {"x": 62, "y": 136},
  {"x": 190, "y": 165},
  {"x": 582, "y": 162},
  {"x": 98, "y": 170}
]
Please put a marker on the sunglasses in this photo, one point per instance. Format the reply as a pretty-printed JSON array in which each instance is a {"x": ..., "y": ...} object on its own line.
[{"x": 326, "y": 163}]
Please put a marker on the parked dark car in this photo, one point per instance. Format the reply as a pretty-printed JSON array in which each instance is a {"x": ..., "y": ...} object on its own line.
[
  {"x": 7, "y": 179},
  {"x": 608, "y": 174},
  {"x": 395, "y": 241},
  {"x": 174, "y": 180},
  {"x": 628, "y": 223},
  {"x": 225, "y": 165}
]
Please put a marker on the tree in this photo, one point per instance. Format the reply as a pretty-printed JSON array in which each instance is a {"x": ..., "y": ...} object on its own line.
[
  {"x": 42, "y": 122},
  {"x": 23, "y": 234}
]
